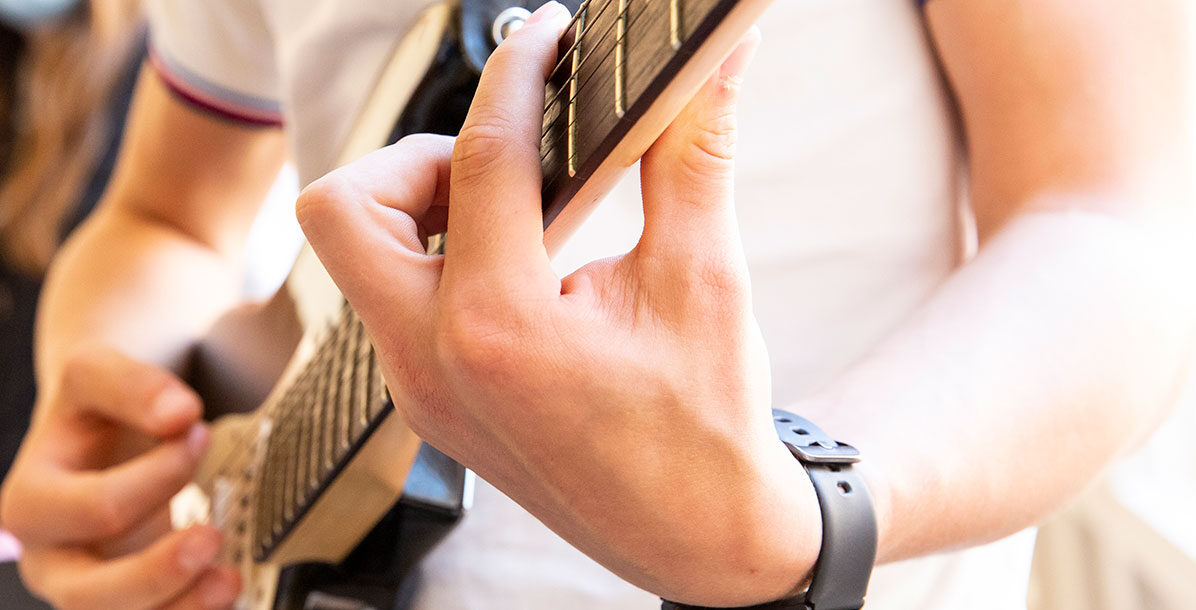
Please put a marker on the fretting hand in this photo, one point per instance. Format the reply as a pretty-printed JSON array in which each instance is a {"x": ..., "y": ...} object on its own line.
[{"x": 626, "y": 406}]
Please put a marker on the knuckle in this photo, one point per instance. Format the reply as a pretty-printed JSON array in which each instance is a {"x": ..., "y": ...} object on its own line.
[
  {"x": 481, "y": 143},
  {"x": 724, "y": 287},
  {"x": 423, "y": 141},
  {"x": 79, "y": 369},
  {"x": 11, "y": 513},
  {"x": 322, "y": 197},
  {"x": 164, "y": 579},
  {"x": 474, "y": 341},
  {"x": 712, "y": 144},
  {"x": 107, "y": 513}
]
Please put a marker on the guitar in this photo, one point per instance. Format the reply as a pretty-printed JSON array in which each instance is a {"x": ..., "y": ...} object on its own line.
[{"x": 311, "y": 476}]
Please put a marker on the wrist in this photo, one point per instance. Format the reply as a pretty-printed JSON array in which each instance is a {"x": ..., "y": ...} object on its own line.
[
  {"x": 833, "y": 416},
  {"x": 847, "y": 554},
  {"x": 767, "y": 553}
]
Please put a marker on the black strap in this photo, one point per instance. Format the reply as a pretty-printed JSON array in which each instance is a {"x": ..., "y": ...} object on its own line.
[{"x": 840, "y": 577}]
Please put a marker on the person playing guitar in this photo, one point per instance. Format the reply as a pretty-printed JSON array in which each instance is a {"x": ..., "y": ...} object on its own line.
[{"x": 626, "y": 406}]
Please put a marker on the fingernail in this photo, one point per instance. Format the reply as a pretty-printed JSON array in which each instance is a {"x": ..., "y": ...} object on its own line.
[
  {"x": 197, "y": 440},
  {"x": 198, "y": 552},
  {"x": 172, "y": 403},
  {"x": 736, "y": 64},
  {"x": 552, "y": 11}
]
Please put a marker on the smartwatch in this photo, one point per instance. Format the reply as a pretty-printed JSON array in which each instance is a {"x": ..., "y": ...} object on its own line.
[{"x": 840, "y": 577}]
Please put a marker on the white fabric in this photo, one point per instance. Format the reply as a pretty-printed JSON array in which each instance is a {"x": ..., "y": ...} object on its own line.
[{"x": 848, "y": 201}]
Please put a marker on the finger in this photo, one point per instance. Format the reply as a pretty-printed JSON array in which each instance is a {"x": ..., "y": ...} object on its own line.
[
  {"x": 688, "y": 173},
  {"x": 216, "y": 589},
  {"x": 495, "y": 222},
  {"x": 58, "y": 507},
  {"x": 73, "y": 578},
  {"x": 363, "y": 221},
  {"x": 107, "y": 383}
]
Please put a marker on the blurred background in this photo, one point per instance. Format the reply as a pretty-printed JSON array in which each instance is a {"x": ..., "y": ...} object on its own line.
[{"x": 66, "y": 76}]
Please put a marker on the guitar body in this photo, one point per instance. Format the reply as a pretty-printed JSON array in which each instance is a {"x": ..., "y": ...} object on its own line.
[{"x": 308, "y": 461}]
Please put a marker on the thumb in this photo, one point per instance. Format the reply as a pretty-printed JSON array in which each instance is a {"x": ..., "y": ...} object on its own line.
[{"x": 687, "y": 174}]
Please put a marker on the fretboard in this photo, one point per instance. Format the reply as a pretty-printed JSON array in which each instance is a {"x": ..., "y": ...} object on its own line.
[
  {"x": 616, "y": 58},
  {"x": 318, "y": 425}
]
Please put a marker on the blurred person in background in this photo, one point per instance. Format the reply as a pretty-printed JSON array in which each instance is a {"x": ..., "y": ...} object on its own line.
[
  {"x": 67, "y": 70},
  {"x": 1004, "y": 347}
]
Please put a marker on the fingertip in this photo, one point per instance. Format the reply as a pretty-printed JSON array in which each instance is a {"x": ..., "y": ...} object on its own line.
[
  {"x": 737, "y": 62},
  {"x": 174, "y": 409},
  {"x": 198, "y": 439},
  {"x": 550, "y": 14},
  {"x": 199, "y": 549}
]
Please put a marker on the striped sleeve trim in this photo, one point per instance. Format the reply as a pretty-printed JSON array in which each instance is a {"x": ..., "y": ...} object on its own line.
[{"x": 213, "y": 98}]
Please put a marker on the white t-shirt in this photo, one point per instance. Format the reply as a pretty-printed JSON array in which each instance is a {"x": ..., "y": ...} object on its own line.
[{"x": 848, "y": 196}]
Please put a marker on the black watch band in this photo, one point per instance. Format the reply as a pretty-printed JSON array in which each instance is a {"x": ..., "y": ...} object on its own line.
[{"x": 840, "y": 577}]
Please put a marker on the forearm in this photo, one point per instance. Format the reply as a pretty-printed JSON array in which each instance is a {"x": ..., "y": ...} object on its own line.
[
  {"x": 1060, "y": 346},
  {"x": 159, "y": 259},
  {"x": 129, "y": 282}
]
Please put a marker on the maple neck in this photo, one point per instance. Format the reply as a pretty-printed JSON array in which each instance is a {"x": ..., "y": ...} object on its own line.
[
  {"x": 616, "y": 57},
  {"x": 318, "y": 424}
]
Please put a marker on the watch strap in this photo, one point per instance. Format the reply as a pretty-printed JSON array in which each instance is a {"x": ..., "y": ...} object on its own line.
[{"x": 840, "y": 577}]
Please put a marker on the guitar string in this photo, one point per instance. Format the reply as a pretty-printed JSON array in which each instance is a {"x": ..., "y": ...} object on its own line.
[
  {"x": 583, "y": 86},
  {"x": 581, "y": 10},
  {"x": 568, "y": 55},
  {"x": 549, "y": 149}
]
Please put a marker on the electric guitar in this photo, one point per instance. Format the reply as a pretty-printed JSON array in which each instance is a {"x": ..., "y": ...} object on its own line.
[{"x": 306, "y": 486}]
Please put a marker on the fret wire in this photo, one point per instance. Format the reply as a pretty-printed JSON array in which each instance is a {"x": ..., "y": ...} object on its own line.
[
  {"x": 568, "y": 53},
  {"x": 675, "y": 24},
  {"x": 620, "y": 68},
  {"x": 288, "y": 465},
  {"x": 321, "y": 452},
  {"x": 314, "y": 449},
  {"x": 370, "y": 379},
  {"x": 277, "y": 467},
  {"x": 361, "y": 376},
  {"x": 300, "y": 413},
  {"x": 344, "y": 436},
  {"x": 328, "y": 425},
  {"x": 594, "y": 89},
  {"x": 378, "y": 390},
  {"x": 587, "y": 77},
  {"x": 348, "y": 351},
  {"x": 556, "y": 98},
  {"x": 571, "y": 133},
  {"x": 582, "y": 87}
]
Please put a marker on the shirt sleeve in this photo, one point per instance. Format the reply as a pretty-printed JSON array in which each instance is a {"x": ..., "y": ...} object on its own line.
[{"x": 217, "y": 55}]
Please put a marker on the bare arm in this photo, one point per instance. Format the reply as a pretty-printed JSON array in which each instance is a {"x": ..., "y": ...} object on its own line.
[
  {"x": 1064, "y": 342},
  {"x": 115, "y": 433},
  {"x": 161, "y": 257}
]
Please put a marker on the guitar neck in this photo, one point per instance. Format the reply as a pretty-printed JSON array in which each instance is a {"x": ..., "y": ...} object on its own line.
[
  {"x": 619, "y": 59},
  {"x": 319, "y": 423}
]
